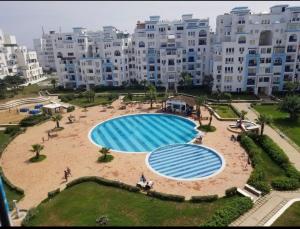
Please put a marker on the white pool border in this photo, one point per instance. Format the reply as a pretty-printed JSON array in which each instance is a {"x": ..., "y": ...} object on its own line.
[
  {"x": 187, "y": 179},
  {"x": 139, "y": 152}
]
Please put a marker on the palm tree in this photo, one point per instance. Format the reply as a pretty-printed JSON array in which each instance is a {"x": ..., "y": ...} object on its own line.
[
  {"x": 262, "y": 120},
  {"x": 53, "y": 82},
  {"x": 200, "y": 101},
  {"x": 56, "y": 118},
  {"x": 37, "y": 148},
  {"x": 104, "y": 151},
  {"x": 210, "y": 117},
  {"x": 152, "y": 94},
  {"x": 243, "y": 114}
]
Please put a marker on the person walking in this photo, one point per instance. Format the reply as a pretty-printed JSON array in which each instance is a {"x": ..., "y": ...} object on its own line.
[
  {"x": 66, "y": 175},
  {"x": 68, "y": 171}
]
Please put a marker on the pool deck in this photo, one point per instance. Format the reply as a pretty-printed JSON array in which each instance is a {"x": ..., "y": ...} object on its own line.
[{"x": 72, "y": 148}]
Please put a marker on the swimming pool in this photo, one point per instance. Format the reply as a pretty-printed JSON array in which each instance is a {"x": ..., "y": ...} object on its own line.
[
  {"x": 185, "y": 162},
  {"x": 142, "y": 132}
]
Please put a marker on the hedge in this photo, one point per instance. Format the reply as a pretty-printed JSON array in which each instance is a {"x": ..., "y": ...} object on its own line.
[
  {"x": 257, "y": 178},
  {"x": 285, "y": 183},
  {"x": 199, "y": 199},
  {"x": 53, "y": 193},
  {"x": 164, "y": 196},
  {"x": 33, "y": 120},
  {"x": 32, "y": 212},
  {"x": 103, "y": 181},
  {"x": 229, "y": 212},
  {"x": 231, "y": 191},
  {"x": 12, "y": 130}
]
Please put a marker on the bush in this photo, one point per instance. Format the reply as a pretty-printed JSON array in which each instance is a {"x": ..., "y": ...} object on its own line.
[
  {"x": 199, "y": 199},
  {"x": 164, "y": 196},
  {"x": 67, "y": 97},
  {"x": 229, "y": 212},
  {"x": 33, "y": 120},
  {"x": 53, "y": 193},
  {"x": 207, "y": 128},
  {"x": 103, "y": 181},
  {"x": 285, "y": 183},
  {"x": 31, "y": 214},
  {"x": 231, "y": 191},
  {"x": 70, "y": 108},
  {"x": 103, "y": 159},
  {"x": 12, "y": 130},
  {"x": 292, "y": 172}
]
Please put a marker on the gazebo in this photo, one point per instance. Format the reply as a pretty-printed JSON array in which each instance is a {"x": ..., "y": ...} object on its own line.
[
  {"x": 54, "y": 108},
  {"x": 180, "y": 103}
]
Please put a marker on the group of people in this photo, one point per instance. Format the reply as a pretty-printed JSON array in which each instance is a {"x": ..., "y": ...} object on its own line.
[
  {"x": 143, "y": 183},
  {"x": 67, "y": 173}
]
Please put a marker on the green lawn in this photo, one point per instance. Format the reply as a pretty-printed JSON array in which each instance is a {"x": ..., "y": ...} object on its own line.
[
  {"x": 281, "y": 121},
  {"x": 82, "y": 204},
  {"x": 3, "y": 141},
  {"x": 224, "y": 111},
  {"x": 142, "y": 98},
  {"x": 99, "y": 100},
  {"x": 290, "y": 218}
]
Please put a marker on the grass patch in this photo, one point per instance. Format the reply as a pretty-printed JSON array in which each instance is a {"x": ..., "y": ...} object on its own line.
[
  {"x": 84, "y": 102},
  {"x": 207, "y": 128},
  {"x": 143, "y": 98},
  {"x": 37, "y": 159},
  {"x": 281, "y": 121},
  {"x": 4, "y": 139},
  {"x": 224, "y": 111},
  {"x": 290, "y": 218},
  {"x": 82, "y": 204},
  {"x": 103, "y": 159}
]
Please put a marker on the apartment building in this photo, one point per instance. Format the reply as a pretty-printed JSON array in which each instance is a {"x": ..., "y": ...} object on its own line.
[
  {"x": 256, "y": 52},
  {"x": 45, "y": 51},
  {"x": 17, "y": 60}
]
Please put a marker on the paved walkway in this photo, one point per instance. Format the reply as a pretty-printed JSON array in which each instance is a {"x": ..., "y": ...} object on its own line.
[
  {"x": 266, "y": 207},
  {"x": 290, "y": 150}
]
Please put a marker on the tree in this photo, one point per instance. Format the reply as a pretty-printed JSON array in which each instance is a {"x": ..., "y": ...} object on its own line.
[
  {"x": 210, "y": 116},
  {"x": 262, "y": 120},
  {"x": 243, "y": 114},
  {"x": 291, "y": 104},
  {"x": 104, "y": 151},
  {"x": 186, "y": 79},
  {"x": 151, "y": 93},
  {"x": 56, "y": 118},
  {"x": 14, "y": 81},
  {"x": 37, "y": 148},
  {"x": 53, "y": 82},
  {"x": 3, "y": 88},
  {"x": 129, "y": 96},
  {"x": 227, "y": 96},
  {"x": 200, "y": 101},
  {"x": 291, "y": 87},
  {"x": 208, "y": 82},
  {"x": 90, "y": 95}
]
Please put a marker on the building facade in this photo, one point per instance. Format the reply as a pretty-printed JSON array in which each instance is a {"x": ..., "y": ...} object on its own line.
[
  {"x": 17, "y": 60},
  {"x": 249, "y": 52},
  {"x": 256, "y": 52}
]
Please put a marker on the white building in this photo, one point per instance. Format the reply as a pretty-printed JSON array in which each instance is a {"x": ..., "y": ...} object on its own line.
[
  {"x": 256, "y": 52},
  {"x": 45, "y": 51}
]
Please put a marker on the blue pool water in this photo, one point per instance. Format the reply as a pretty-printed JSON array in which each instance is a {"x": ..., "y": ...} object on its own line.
[
  {"x": 143, "y": 132},
  {"x": 185, "y": 161}
]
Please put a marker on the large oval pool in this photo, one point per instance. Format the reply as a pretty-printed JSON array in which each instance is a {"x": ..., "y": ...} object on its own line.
[
  {"x": 185, "y": 162},
  {"x": 142, "y": 132}
]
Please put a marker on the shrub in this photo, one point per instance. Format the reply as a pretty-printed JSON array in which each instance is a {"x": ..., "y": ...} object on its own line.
[
  {"x": 199, "y": 199},
  {"x": 33, "y": 120},
  {"x": 207, "y": 128},
  {"x": 231, "y": 191},
  {"x": 285, "y": 183},
  {"x": 103, "y": 181},
  {"x": 229, "y": 212},
  {"x": 53, "y": 193},
  {"x": 31, "y": 214},
  {"x": 70, "y": 108},
  {"x": 164, "y": 196},
  {"x": 292, "y": 172},
  {"x": 104, "y": 159},
  {"x": 67, "y": 97},
  {"x": 12, "y": 130}
]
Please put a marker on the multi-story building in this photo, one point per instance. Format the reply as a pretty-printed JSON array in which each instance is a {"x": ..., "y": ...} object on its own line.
[
  {"x": 45, "y": 53},
  {"x": 17, "y": 60},
  {"x": 256, "y": 52}
]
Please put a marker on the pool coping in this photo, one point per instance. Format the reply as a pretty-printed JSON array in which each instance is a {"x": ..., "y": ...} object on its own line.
[
  {"x": 140, "y": 152},
  {"x": 187, "y": 179}
]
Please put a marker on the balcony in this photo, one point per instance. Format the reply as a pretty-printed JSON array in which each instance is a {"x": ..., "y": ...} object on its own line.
[
  {"x": 252, "y": 64},
  {"x": 289, "y": 60},
  {"x": 288, "y": 70},
  {"x": 250, "y": 82},
  {"x": 291, "y": 50},
  {"x": 277, "y": 63},
  {"x": 251, "y": 73}
]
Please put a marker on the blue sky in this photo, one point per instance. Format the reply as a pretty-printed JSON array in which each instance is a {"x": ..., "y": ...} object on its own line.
[{"x": 25, "y": 19}]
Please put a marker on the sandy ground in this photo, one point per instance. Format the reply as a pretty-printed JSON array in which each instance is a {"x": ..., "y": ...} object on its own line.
[{"x": 72, "y": 148}]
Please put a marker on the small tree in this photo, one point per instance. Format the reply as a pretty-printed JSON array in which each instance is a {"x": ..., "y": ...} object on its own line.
[
  {"x": 104, "y": 151},
  {"x": 291, "y": 104},
  {"x": 208, "y": 82},
  {"x": 243, "y": 114},
  {"x": 187, "y": 80},
  {"x": 152, "y": 94},
  {"x": 200, "y": 101},
  {"x": 291, "y": 87},
  {"x": 227, "y": 96},
  {"x": 262, "y": 120},
  {"x": 56, "y": 118},
  {"x": 37, "y": 148},
  {"x": 53, "y": 82}
]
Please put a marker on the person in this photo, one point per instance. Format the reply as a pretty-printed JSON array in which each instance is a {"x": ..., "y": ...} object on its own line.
[
  {"x": 143, "y": 179},
  {"x": 66, "y": 175},
  {"x": 43, "y": 139},
  {"x": 49, "y": 135},
  {"x": 200, "y": 139},
  {"x": 68, "y": 171}
]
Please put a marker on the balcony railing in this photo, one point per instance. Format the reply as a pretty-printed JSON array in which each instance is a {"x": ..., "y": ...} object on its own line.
[
  {"x": 289, "y": 60},
  {"x": 291, "y": 50}
]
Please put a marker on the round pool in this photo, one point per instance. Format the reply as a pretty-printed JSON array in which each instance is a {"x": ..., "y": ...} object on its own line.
[
  {"x": 185, "y": 162},
  {"x": 142, "y": 132}
]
